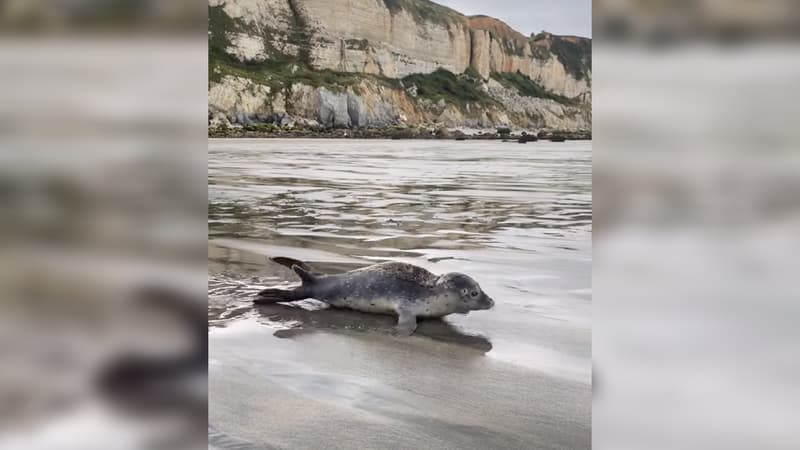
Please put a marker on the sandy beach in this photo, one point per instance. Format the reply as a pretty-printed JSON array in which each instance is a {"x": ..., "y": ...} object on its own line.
[
  {"x": 361, "y": 389},
  {"x": 304, "y": 376}
]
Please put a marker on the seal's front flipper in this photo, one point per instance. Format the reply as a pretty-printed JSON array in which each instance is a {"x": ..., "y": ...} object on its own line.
[
  {"x": 406, "y": 323},
  {"x": 268, "y": 296}
]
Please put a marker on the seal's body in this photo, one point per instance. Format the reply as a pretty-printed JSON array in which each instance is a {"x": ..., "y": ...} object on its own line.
[{"x": 395, "y": 288}]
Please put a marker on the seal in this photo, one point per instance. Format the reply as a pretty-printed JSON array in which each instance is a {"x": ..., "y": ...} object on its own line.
[{"x": 400, "y": 289}]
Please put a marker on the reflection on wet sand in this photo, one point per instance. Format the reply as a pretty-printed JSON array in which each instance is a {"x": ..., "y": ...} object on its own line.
[{"x": 309, "y": 321}]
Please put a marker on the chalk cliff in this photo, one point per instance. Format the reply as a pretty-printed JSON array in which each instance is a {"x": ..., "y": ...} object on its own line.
[{"x": 378, "y": 63}]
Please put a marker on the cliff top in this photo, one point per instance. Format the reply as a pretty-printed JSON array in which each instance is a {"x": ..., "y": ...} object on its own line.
[
  {"x": 424, "y": 10},
  {"x": 496, "y": 27},
  {"x": 546, "y": 37},
  {"x": 574, "y": 52}
]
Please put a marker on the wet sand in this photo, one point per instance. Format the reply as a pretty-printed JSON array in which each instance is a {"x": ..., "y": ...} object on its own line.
[
  {"x": 345, "y": 389},
  {"x": 305, "y": 376}
]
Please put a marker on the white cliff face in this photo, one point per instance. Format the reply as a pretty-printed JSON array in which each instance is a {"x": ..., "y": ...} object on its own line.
[
  {"x": 552, "y": 75},
  {"x": 247, "y": 48},
  {"x": 489, "y": 56},
  {"x": 264, "y": 26},
  {"x": 236, "y": 94},
  {"x": 481, "y": 53},
  {"x": 276, "y": 14},
  {"x": 365, "y": 36}
]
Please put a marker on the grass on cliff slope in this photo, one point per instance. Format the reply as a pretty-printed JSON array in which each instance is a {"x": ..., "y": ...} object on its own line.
[
  {"x": 219, "y": 24},
  {"x": 445, "y": 85},
  {"x": 574, "y": 53},
  {"x": 575, "y": 56},
  {"x": 423, "y": 10},
  {"x": 278, "y": 71},
  {"x": 281, "y": 74},
  {"x": 529, "y": 88}
]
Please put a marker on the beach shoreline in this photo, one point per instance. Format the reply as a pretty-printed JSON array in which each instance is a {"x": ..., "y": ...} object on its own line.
[{"x": 421, "y": 133}]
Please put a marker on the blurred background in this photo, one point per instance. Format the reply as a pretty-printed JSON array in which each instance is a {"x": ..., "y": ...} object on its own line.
[
  {"x": 697, "y": 224},
  {"x": 103, "y": 229}
]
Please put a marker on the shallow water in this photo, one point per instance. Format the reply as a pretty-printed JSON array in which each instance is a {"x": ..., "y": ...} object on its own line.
[{"x": 517, "y": 218}]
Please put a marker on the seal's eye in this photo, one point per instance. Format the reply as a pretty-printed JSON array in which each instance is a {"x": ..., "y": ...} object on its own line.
[{"x": 474, "y": 293}]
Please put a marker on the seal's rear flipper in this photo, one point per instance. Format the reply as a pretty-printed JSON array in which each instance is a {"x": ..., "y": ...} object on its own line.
[
  {"x": 306, "y": 276},
  {"x": 290, "y": 262},
  {"x": 268, "y": 296}
]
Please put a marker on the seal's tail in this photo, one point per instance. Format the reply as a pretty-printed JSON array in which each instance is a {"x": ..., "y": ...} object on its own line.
[
  {"x": 268, "y": 296},
  {"x": 307, "y": 275},
  {"x": 291, "y": 262}
]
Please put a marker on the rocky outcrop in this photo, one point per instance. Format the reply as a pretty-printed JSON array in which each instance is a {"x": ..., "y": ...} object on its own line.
[
  {"x": 387, "y": 39},
  {"x": 541, "y": 112},
  {"x": 236, "y": 101}
]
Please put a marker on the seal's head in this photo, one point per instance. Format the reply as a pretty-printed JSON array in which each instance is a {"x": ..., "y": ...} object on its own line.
[{"x": 470, "y": 295}]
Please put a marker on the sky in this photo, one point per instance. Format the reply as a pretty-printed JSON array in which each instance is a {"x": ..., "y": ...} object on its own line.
[{"x": 573, "y": 17}]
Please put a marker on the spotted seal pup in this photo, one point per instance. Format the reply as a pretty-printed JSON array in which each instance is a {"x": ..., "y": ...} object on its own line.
[{"x": 388, "y": 288}]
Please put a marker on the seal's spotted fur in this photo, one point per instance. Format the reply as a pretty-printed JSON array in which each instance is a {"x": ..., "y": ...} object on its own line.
[
  {"x": 402, "y": 271},
  {"x": 396, "y": 288}
]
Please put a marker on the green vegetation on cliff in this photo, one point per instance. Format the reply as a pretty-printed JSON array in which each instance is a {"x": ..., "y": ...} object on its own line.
[
  {"x": 424, "y": 10},
  {"x": 575, "y": 54},
  {"x": 219, "y": 24},
  {"x": 445, "y": 85},
  {"x": 527, "y": 87},
  {"x": 279, "y": 75},
  {"x": 279, "y": 70}
]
